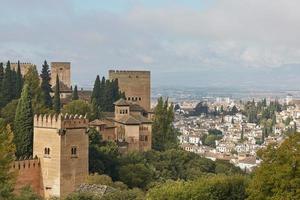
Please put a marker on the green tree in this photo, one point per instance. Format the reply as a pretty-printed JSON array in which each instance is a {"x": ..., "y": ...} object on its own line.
[
  {"x": 133, "y": 194},
  {"x": 32, "y": 79},
  {"x": 136, "y": 175},
  {"x": 209, "y": 188},
  {"x": 45, "y": 85},
  {"x": 164, "y": 133},
  {"x": 19, "y": 81},
  {"x": 1, "y": 75},
  {"x": 75, "y": 94},
  {"x": 14, "y": 84},
  {"x": 7, "y": 86},
  {"x": 78, "y": 107},
  {"x": 278, "y": 177},
  {"x": 9, "y": 111},
  {"x": 7, "y": 151},
  {"x": 96, "y": 90},
  {"x": 103, "y": 155},
  {"x": 23, "y": 125},
  {"x": 27, "y": 193},
  {"x": 56, "y": 98}
]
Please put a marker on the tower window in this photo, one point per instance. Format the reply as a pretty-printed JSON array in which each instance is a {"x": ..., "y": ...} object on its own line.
[
  {"x": 47, "y": 152},
  {"x": 140, "y": 98},
  {"x": 74, "y": 151}
]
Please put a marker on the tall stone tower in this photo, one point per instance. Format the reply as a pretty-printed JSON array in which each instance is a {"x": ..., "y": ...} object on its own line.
[
  {"x": 63, "y": 69},
  {"x": 135, "y": 84},
  {"x": 61, "y": 143},
  {"x": 23, "y": 66}
]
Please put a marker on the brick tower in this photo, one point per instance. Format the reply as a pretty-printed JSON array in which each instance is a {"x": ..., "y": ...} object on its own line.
[
  {"x": 61, "y": 144},
  {"x": 135, "y": 84}
]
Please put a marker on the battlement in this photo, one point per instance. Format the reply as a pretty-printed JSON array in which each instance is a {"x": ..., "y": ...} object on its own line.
[
  {"x": 66, "y": 65},
  {"x": 21, "y": 63},
  {"x": 60, "y": 121},
  {"x": 129, "y": 72},
  {"x": 26, "y": 164}
]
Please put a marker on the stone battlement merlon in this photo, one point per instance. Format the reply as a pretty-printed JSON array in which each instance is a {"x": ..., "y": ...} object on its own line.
[
  {"x": 26, "y": 164},
  {"x": 128, "y": 72},
  {"x": 21, "y": 63},
  {"x": 60, "y": 121}
]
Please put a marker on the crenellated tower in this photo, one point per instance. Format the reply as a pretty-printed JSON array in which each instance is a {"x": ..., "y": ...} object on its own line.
[
  {"x": 135, "y": 84},
  {"x": 61, "y": 144}
]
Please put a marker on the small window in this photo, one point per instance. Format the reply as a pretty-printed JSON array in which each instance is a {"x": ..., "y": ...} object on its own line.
[
  {"x": 74, "y": 151},
  {"x": 128, "y": 98},
  {"x": 47, "y": 152},
  {"x": 126, "y": 111},
  {"x": 140, "y": 98}
]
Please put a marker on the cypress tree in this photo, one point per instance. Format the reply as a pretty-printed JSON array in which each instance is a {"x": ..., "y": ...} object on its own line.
[
  {"x": 14, "y": 84},
  {"x": 75, "y": 94},
  {"x": 1, "y": 80},
  {"x": 7, "y": 86},
  {"x": 19, "y": 81},
  {"x": 45, "y": 85},
  {"x": 108, "y": 97},
  {"x": 23, "y": 124},
  {"x": 56, "y": 99},
  {"x": 96, "y": 91},
  {"x": 102, "y": 92}
]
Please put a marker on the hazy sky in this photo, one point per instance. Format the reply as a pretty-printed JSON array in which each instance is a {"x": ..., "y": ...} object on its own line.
[{"x": 187, "y": 42}]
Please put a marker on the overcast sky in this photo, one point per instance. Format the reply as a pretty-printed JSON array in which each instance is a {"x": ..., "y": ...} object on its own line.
[{"x": 190, "y": 42}]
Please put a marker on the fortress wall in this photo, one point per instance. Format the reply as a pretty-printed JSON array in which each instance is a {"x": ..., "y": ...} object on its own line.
[{"x": 28, "y": 172}]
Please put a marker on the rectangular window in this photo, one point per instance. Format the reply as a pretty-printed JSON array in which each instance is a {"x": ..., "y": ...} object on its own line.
[{"x": 74, "y": 152}]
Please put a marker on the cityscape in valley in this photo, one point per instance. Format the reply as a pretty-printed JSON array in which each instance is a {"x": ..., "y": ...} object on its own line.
[{"x": 140, "y": 100}]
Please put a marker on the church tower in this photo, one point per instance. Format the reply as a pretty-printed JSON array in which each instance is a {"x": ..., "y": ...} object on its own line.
[{"x": 61, "y": 144}]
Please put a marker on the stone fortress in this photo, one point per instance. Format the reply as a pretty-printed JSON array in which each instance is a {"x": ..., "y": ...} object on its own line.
[
  {"x": 59, "y": 163},
  {"x": 135, "y": 84},
  {"x": 60, "y": 151}
]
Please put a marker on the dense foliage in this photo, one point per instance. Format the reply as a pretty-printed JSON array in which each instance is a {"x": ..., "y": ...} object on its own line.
[
  {"x": 164, "y": 134},
  {"x": 208, "y": 188},
  {"x": 279, "y": 175},
  {"x": 10, "y": 84},
  {"x": 23, "y": 125},
  {"x": 7, "y": 150},
  {"x": 46, "y": 86},
  {"x": 210, "y": 139},
  {"x": 105, "y": 93}
]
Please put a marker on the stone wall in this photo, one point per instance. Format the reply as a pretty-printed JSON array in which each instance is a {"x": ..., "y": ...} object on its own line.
[
  {"x": 28, "y": 172},
  {"x": 23, "y": 66}
]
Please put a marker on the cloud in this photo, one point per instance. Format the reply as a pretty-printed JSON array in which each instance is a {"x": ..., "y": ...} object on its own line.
[{"x": 162, "y": 37}]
